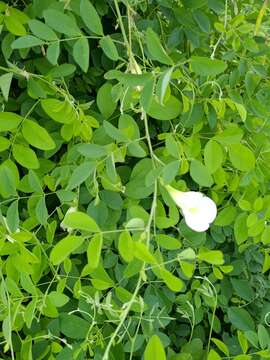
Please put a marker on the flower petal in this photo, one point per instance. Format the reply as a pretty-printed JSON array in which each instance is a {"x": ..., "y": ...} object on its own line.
[
  {"x": 188, "y": 199},
  {"x": 196, "y": 225},
  {"x": 210, "y": 209},
  {"x": 198, "y": 210}
]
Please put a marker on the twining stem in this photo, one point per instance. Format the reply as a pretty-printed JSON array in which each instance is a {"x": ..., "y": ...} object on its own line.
[
  {"x": 222, "y": 34},
  {"x": 147, "y": 135},
  {"x": 122, "y": 28}
]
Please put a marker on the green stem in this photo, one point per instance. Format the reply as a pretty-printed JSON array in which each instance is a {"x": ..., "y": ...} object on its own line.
[{"x": 122, "y": 27}]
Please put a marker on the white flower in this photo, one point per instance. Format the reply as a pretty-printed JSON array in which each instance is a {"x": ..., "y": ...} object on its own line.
[{"x": 198, "y": 210}]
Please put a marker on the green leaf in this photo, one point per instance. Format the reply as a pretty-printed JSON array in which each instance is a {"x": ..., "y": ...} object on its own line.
[
  {"x": 168, "y": 242},
  {"x": 105, "y": 101},
  {"x": 37, "y": 136},
  {"x": 94, "y": 250},
  {"x": 26, "y": 42},
  {"x": 242, "y": 341},
  {"x": 14, "y": 26},
  {"x": 222, "y": 347},
  {"x": 34, "y": 89},
  {"x": 240, "y": 319},
  {"x": 187, "y": 254},
  {"x": 4, "y": 143},
  {"x": 231, "y": 135},
  {"x": 243, "y": 289},
  {"x": 125, "y": 296},
  {"x": 214, "y": 257},
  {"x": 241, "y": 110},
  {"x": 266, "y": 262},
  {"x": 174, "y": 283},
  {"x": 60, "y": 22},
  {"x": 53, "y": 52},
  {"x": 80, "y": 174},
  {"x": 142, "y": 253},
  {"x": 200, "y": 174},
  {"x": 154, "y": 349},
  {"x": 25, "y": 156},
  {"x": 207, "y": 67},
  {"x": 81, "y": 53},
  {"x": 9, "y": 121},
  {"x": 251, "y": 82},
  {"x": 213, "y": 355},
  {"x": 80, "y": 221},
  {"x": 5, "y": 82},
  {"x": 213, "y": 155},
  {"x": 58, "y": 299},
  {"x": 62, "y": 70},
  {"x": 146, "y": 97},
  {"x": 125, "y": 246},
  {"x": 152, "y": 176},
  {"x": 34, "y": 182},
  {"x": 13, "y": 219},
  {"x": 42, "y": 30},
  {"x": 169, "y": 111},
  {"x": 170, "y": 171},
  {"x": 155, "y": 48},
  {"x": 110, "y": 50},
  {"x": 202, "y": 20},
  {"x": 60, "y": 111},
  {"x": 129, "y": 127},
  {"x": 90, "y": 17},
  {"x": 263, "y": 336},
  {"x": 226, "y": 216},
  {"x": 41, "y": 211},
  {"x": 240, "y": 228},
  {"x": 73, "y": 326},
  {"x": 241, "y": 157},
  {"x": 29, "y": 312},
  {"x": 187, "y": 268},
  {"x": 92, "y": 151},
  {"x": 7, "y": 181},
  {"x": 113, "y": 132},
  {"x": 64, "y": 248},
  {"x": 163, "y": 84},
  {"x": 172, "y": 146}
]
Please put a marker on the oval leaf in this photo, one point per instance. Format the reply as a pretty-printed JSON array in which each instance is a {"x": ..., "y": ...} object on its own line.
[
  {"x": 80, "y": 221},
  {"x": 155, "y": 48},
  {"x": 37, "y": 136},
  {"x": 9, "y": 121},
  {"x": 240, "y": 319},
  {"x": 60, "y": 22},
  {"x": 110, "y": 50},
  {"x": 25, "y": 156},
  {"x": 42, "y": 30},
  {"x": 200, "y": 174},
  {"x": 81, "y": 53},
  {"x": 207, "y": 67},
  {"x": 90, "y": 17},
  {"x": 241, "y": 157},
  {"x": 213, "y": 155},
  {"x": 64, "y": 248},
  {"x": 94, "y": 250},
  {"x": 154, "y": 349}
]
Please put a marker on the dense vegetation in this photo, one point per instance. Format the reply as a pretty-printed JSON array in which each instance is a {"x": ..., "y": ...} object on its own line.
[{"x": 104, "y": 103}]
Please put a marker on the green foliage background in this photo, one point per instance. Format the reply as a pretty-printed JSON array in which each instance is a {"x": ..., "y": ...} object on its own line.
[{"x": 103, "y": 103}]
